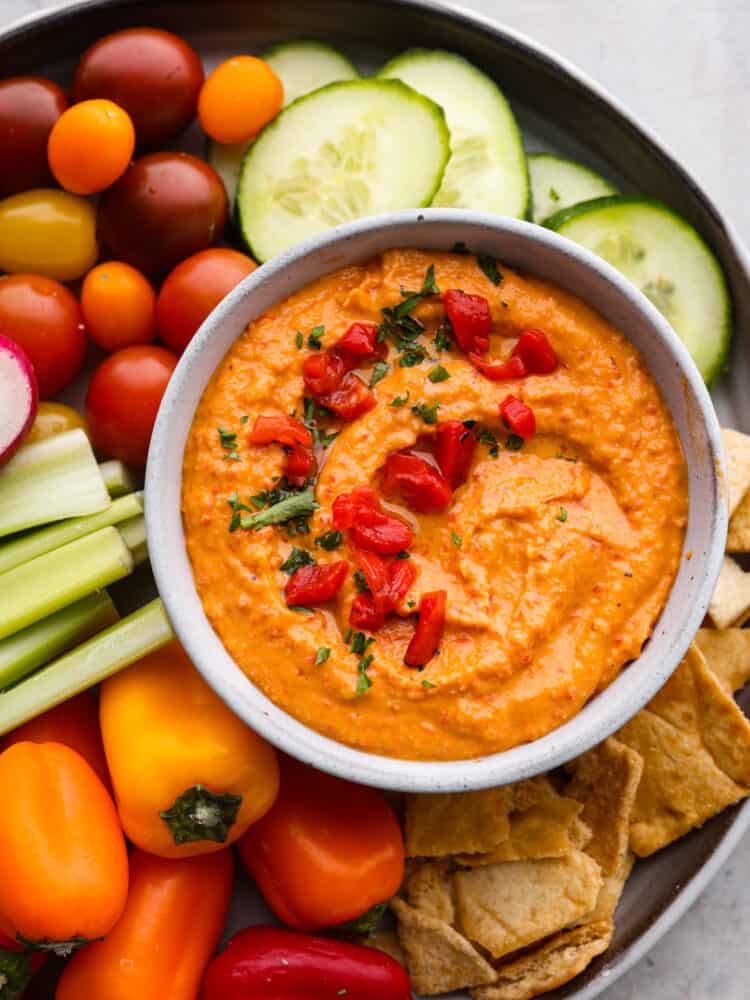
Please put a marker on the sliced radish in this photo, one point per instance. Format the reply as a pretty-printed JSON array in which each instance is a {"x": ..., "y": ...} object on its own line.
[{"x": 19, "y": 396}]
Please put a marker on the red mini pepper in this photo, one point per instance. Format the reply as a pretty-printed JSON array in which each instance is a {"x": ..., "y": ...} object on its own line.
[
  {"x": 423, "y": 486},
  {"x": 455, "y": 444},
  {"x": 535, "y": 352},
  {"x": 265, "y": 963},
  {"x": 312, "y": 585},
  {"x": 518, "y": 417},
  {"x": 470, "y": 318},
  {"x": 499, "y": 371},
  {"x": 429, "y": 630}
]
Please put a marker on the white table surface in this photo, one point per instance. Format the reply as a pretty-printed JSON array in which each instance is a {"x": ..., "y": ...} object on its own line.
[{"x": 682, "y": 67}]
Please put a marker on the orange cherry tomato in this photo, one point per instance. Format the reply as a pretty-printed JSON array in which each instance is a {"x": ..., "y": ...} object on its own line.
[
  {"x": 123, "y": 399},
  {"x": 63, "y": 861},
  {"x": 241, "y": 96},
  {"x": 90, "y": 146},
  {"x": 119, "y": 306},
  {"x": 194, "y": 288},
  {"x": 162, "y": 942},
  {"x": 75, "y": 724}
]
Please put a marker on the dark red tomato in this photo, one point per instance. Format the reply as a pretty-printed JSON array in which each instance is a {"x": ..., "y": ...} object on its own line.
[
  {"x": 499, "y": 371},
  {"x": 193, "y": 290},
  {"x": 165, "y": 207},
  {"x": 381, "y": 533},
  {"x": 29, "y": 107},
  {"x": 311, "y": 585},
  {"x": 123, "y": 399},
  {"x": 423, "y": 486},
  {"x": 154, "y": 75},
  {"x": 454, "y": 450},
  {"x": 518, "y": 417},
  {"x": 470, "y": 318},
  {"x": 45, "y": 319},
  {"x": 350, "y": 400},
  {"x": 429, "y": 631}
]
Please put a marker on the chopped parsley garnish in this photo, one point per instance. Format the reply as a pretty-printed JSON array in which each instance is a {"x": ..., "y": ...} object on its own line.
[
  {"x": 562, "y": 514},
  {"x": 439, "y": 374},
  {"x": 443, "y": 341},
  {"x": 456, "y": 539},
  {"x": 229, "y": 444},
  {"x": 411, "y": 604},
  {"x": 489, "y": 266},
  {"x": 363, "y": 680},
  {"x": 360, "y": 643},
  {"x": 359, "y": 581},
  {"x": 379, "y": 372},
  {"x": 315, "y": 337},
  {"x": 244, "y": 420},
  {"x": 412, "y": 356},
  {"x": 403, "y": 554},
  {"x": 553, "y": 194},
  {"x": 311, "y": 412},
  {"x": 460, "y": 247},
  {"x": 514, "y": 442},
  {"x": 293, "y": 510},
  {"x": 296, "y": 559},
  {"x": 428, "y": 684},
  {"x": 234, "y": 502},
  {"x": 427, "y": 413},
  {"x": 299, "y": 340},
  {"x": 329, "y": 541},
  {"x": 399, "y": 400},
  {"x": 301, "y": 608},
  {"x": 402, "y": 328},
  {"x": 322, "y": 655},
  {"x": 487, "y": 437}
]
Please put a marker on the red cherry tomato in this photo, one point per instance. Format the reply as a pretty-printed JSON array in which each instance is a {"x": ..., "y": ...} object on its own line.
[
  {"x": 154, "y": 75},
  {"x": 123, "y": 399},
  {"x": 164, "y": 208},
  {"x": 429, "y": 631},
  {"x": 536, "y": 352},
  {"x": 194, "y": 288},
  {"x": 45, "y": 319},
  {"x": 499, "y": 371},
  {"x": 454, "y": 450},
  {"x": 311, "y": 585},
  {"x": 470, "y": 318},
  {"x": 518, "y": 417},
  {"x": 29, "y": 107},
  {"x": 423, "y": 486}
]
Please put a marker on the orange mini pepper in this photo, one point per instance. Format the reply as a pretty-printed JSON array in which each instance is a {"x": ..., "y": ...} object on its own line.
[
  {"x": 327, "y": 853},
  {"x": 165, "y": 937},
  {"x": 63, "y": 862},
  {"x": 189, "y": 775}
]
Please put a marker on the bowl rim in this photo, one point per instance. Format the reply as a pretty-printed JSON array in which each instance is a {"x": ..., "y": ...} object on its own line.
[{"x": 173, "y": 574}]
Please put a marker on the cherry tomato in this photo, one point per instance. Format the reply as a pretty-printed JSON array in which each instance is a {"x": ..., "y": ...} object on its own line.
[
  {"x": 45, "y": 319},
  {"x": 123, "y": 399},
  {"x": 29, "y": 107},
  {"x": 90, "y": 146},
  {"x": 164, "y": 208},
  {"x": 119, "y": 306},
  {"x": 47, "y": 232},
  {"x": 54, "y": 418},
  {"x": 241, "y": 96},
  {"x": 154, "y": 75},
  {"x": 194, "y": 288}
]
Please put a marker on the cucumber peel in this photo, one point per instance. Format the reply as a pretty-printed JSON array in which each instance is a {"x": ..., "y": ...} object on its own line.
[
  {"x": 558, "y": 183},
  {"x": 304, "y": 65}
]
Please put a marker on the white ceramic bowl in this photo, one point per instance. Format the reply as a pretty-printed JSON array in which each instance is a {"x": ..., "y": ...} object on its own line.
[{"x": 536, "y": 251}]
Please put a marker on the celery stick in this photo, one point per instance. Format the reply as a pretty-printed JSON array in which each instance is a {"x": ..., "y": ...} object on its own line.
[
  {"x": 140, "y": 633},
  {"x": 36, "y": 543},
  {"x": 117, "y": 478},
  {"x": 36, "y": 645},
  {"x": 44, "y": 585},
  {"x": 134, "y": 535},
  {"x": 49, "y": 481}
]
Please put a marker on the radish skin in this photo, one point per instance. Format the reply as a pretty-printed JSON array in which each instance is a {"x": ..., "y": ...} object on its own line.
[{"x": 19, "y": 396}]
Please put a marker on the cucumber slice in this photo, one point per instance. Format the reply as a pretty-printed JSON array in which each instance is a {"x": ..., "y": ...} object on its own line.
[
  {"x": 226, "y": 159},
  {"x": 343, "y": 152},
  {"x": 666, "y": 258},
  {"x": 487, "y": 169},
  {"x": 305, "y": 65},
  {"x": 557, "y": 183}
]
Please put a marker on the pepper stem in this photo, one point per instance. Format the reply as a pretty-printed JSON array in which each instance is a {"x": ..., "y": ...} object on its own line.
[
  {"x": 198, "y": 814},
  {"x": 63, "y": 949},
  {"x": 15, "y": 973}
]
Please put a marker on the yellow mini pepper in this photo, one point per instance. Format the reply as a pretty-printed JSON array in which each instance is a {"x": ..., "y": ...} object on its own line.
[{"x": 189, "y": 776}]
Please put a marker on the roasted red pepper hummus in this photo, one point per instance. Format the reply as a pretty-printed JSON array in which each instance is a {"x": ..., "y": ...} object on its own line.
[{"x": 486, "y": 541}]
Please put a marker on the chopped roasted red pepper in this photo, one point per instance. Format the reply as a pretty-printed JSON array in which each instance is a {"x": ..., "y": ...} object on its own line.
[
  {"x": 278, "y": 429},
  {"x": 454, "y": 451},
  {"x": 360, "y": 340},
  {"x": 402, "y": 573},
  {"x": 300, "y": 465},
  {"x": 535, "y": 352},
  {"x": 518, "y": 417},
  {"x": 381, "y": 533},
  {"x": 311, "y": 585},
  {"x": 365, "y": 615},
  {"x": 423, "y": 486},
  {"x": 389, "y": 582},
  {"x": 350, "y": 400},
  {"x": 499, "y": 371},
  {"x": 346, "y": 506},
  {"x": 375, "y": 570},
  {"x": 323, "y": 372},
  {"x": 429, "y": 630},
  {"x": 470, "y": 318}
]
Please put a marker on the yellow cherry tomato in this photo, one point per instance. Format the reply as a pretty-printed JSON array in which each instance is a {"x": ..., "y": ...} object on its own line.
[
  {"x": 47, "y": 232},
  {"x": 241, "y": 96},
  {"x": 54, "y": 418},
  {"x": 90, "y": 146}
]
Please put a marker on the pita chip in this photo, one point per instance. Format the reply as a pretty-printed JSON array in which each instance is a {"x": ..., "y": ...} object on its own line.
[
  {"x": 727, "y": 654},
  {"x": 386, "y": 940},
  {"x": 467, "y": 822},
  {"x": 438, "y": 958},
  {"x": 428, "y": 889},
  {"x": 730, "y": 604},
  {"x": 737, "y": 447},
  {"x": 738, "y": 536}
]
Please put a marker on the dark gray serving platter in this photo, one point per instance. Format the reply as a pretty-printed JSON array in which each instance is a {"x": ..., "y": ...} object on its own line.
[{"x": 560, "y": 110}]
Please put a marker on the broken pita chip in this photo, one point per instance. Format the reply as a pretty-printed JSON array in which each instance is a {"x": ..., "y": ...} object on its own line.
[
  {"x": 730, "y": 604},
  {"x": 467, "y": 822},
  {"x": 508, "y": 906},
  {"x": 738, "y": 536},
  {"x": 550, "y": 965},
  {"x": 438, "y": 958},
  {"x": 695, "y": 744},
  {"x": 580, "y": 834},
  {"x": 727, "y": 654},
  {"x": 737, "y": 447},
  {"x": 385, "y": 940},
  {"x": 611, "y": 890},
  {"x": 428, "y": 889}
]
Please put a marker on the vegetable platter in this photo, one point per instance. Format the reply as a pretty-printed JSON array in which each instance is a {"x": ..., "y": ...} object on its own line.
[{"x": 584, "y": 146}]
